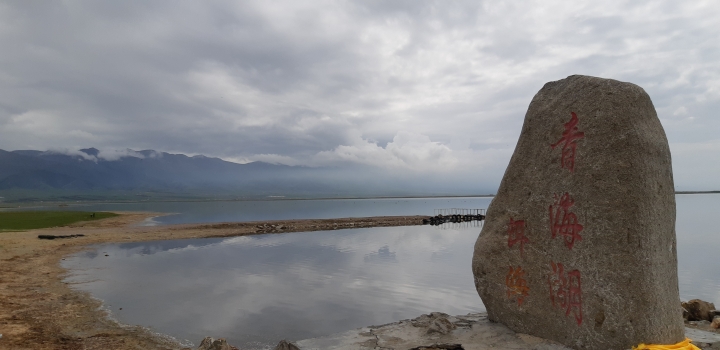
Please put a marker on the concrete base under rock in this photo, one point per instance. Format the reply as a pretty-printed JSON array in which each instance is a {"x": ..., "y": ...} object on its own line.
[{"x": 438, "y": 331}]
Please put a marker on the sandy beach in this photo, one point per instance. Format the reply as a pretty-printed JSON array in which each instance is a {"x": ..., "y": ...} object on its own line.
[{"x": 39, "y": 311}]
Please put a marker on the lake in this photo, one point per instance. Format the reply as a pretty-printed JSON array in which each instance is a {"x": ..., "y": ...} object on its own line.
[{"x": 256, "y": 290}]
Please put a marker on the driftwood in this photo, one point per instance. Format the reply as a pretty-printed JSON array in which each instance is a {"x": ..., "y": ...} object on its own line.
[
  {"x": 59, "y": 236},
  {"x": 440, "y": 347}
]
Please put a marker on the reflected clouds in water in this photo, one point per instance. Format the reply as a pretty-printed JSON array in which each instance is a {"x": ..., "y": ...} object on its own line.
[{"x": 256, "y": 290}]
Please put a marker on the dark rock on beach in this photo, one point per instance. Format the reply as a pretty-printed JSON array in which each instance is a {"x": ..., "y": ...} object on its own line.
[
  {"x": 698, "y": 310},
  {"x": 59, "y": 236}
]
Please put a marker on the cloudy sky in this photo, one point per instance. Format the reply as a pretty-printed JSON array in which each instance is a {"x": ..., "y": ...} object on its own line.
[{"x": 437, "y": 88}]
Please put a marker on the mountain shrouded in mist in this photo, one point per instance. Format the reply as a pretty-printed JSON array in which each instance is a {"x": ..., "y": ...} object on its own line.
[{"x": 30, "y": 174}]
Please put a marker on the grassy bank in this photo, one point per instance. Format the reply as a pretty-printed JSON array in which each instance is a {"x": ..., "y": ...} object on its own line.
[{"x": 28, "y": 220}]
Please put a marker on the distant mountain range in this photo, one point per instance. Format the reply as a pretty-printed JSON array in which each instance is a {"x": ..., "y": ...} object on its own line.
[
  {"x": 144, "y": 170},
  {"x": 86, "y": 174}
]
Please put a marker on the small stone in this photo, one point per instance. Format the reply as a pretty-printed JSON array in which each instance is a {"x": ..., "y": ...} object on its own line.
[
  {"x": 206, "y": 343},
  {"x": 425, "y": 320},
  {"x": 286, "y": 345},
  {"x": 715, "y": 322},
  {"x": 435, "y": 322},
  {"x": 421, "y": 321},
  {"x": 440, "y": 325},
  {"x": 209, "y": 344},
  {"x": 699, "y": 310},
  {"x": 220, "y": 344}
]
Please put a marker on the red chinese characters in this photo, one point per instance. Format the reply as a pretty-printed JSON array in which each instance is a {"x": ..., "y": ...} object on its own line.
[
  {"x": 563, "y": 222},
  {"x": 517, "y": 288},
  {"x": 566, "y": 291},
  {"x": 566, "y": 287},
  {"x": 569, "y": 143},
  {"x": 516, "y": 234}
]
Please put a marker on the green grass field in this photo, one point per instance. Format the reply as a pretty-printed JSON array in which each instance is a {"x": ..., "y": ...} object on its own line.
[{"x": 28, "y": 220}]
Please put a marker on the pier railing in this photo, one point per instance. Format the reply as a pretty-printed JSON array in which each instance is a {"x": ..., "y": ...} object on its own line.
[
  {"x": 459, "y": 211},
  {"x": 455, "y": 215}
]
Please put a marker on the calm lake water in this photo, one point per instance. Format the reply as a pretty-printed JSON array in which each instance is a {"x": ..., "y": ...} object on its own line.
[
  {"x": 257, "y": 290},
  {"x": 698, "y": 236},
  {"x": 224, "y": 211}
]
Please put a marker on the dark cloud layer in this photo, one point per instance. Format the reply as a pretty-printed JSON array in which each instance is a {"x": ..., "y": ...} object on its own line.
[{"x": 427, "y": 87}]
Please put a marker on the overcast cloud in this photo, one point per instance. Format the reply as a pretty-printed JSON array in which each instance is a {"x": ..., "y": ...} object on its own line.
[{"x": 423, "y": 87}]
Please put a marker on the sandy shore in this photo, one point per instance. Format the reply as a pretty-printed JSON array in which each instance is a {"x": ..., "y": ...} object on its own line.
[{"x": 39, "y": 311}]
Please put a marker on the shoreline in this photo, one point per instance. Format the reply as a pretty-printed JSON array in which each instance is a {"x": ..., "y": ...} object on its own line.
[
  {"x": 39, "y": 310},
  {"x": 52, "y": 203}
]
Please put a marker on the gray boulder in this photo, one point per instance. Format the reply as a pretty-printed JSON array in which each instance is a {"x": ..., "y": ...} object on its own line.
[{"x": 579, "y": 245}]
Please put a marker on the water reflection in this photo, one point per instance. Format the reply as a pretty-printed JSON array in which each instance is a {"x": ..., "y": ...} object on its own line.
[
  {"x": 256, "y": 290},
  {"x": 383, "y": 255}
]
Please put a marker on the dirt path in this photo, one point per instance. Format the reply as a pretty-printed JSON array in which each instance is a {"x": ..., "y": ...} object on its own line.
[{"x": 39, "y": 311}]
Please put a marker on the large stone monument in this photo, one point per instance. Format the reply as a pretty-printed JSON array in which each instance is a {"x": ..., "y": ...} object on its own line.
[{"x": 579, "y": 243}]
